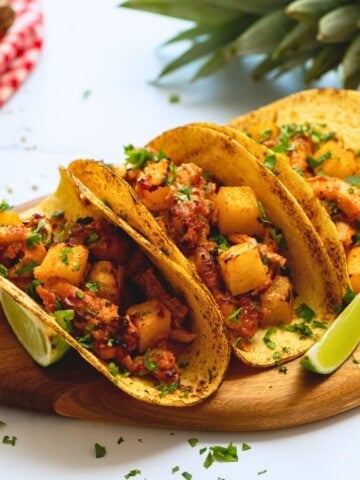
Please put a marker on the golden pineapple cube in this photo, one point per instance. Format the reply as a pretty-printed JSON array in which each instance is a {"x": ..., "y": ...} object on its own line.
[
  {"x": 353, "y": 261},
  {"x": 63, "y": 261},
  {"x": 9, "y": 217},
  {"x": 152, "y": 188},
  {"x": 153, "y": 322},
  {"x": 341, "y": 162},
  {"x": 276, "y": 302},
  {"x": 242, "y": 268},
  {"x": 237, "y": 211}
]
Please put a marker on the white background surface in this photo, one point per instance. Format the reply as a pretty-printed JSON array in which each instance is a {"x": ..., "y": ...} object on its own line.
[{"x": 91, "y": 45}]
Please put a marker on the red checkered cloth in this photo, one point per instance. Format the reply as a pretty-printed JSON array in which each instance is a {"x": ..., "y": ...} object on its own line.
[{"x": 20, "y": 47}]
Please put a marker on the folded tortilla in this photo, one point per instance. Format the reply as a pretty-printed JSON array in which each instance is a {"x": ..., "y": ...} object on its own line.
[
  {"x": 315, "y": 279},
  {"x": 203, "y": 362}
]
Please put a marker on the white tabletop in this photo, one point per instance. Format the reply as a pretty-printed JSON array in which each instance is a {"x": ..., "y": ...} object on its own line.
[{"x": 92, "y": 93}]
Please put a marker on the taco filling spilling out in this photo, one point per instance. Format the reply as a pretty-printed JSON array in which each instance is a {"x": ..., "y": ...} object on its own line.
[
  {"x": 332, "y": 170},
  {"x": 238, "y": 253},
  {"x": 101, "y": 289}
]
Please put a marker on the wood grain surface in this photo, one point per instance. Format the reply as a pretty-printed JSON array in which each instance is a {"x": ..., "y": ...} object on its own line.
[{"x": 249, "y": 398}]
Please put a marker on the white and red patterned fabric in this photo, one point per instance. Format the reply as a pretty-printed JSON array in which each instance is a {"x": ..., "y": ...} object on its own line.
[{"x": 20, "y": 47}]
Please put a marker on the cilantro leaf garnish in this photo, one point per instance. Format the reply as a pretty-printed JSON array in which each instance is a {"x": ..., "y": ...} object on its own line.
[
  {"x": 100, "y": 450},
  {"x": 221, "y": 241},
  {"x": 7, "y": 440},
  {"x": 3, "y": 270},
  {"x": 133, "y": 473},
  {"x": 184, "y": 194},
  {"x": 193, "y": 442},
  {"x": 267, "y": 340},
  {"x": 225, "y": 454},
  {"x": 4, "y": 206},
  {"x": 166, "y": 388},
  {"x": 305, "y": 312},
  {"x": 138, "y": 157},
  {"x": 316, "y": 162},
  {"x": 270, "y": 163}
]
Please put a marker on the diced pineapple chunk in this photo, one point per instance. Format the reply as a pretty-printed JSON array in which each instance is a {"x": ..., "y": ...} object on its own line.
[
  {"x": 276, "y": 302},
  {"x": 341, "y": 163},
  {"x": 108, "y": 280},
  {"x": 9, "y": 217},
  {"x": 152, "y": 320},
  {"x": 242, "y": 268},
  {"x": 151, "y": 186},
  {"x": 238, "y": 211},
  {"x": 63, "y": 261},
  {"x": 353, "y": 261}
]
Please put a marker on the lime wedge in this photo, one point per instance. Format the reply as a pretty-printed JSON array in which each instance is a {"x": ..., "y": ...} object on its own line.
[
  {"x": 337, "y": 343},
  {"x": 40, "y": 341}
]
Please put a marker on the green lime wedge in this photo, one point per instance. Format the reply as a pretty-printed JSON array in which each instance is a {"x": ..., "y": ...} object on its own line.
[
  {"x": 337, "y": 343},
  {"x": 40, "y": 341}
]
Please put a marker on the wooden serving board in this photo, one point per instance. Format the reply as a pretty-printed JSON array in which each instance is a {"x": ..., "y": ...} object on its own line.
[{"x": 249, "y": 399}]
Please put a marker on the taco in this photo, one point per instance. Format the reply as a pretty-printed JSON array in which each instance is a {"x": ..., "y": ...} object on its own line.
[
  {"x": 127, "y": 308},
  {"x": 317, "y": 135},
  {"x": 222, "y": 215}
]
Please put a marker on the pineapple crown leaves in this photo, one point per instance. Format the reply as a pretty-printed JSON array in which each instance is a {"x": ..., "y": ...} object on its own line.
[{"x": 316, "y": 35}]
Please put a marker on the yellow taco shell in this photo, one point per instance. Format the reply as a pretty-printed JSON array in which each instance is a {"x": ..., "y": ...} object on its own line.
[{"x": 205, "y": 360}]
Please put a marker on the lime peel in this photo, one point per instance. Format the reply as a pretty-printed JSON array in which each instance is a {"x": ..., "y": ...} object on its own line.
[
  {"x": 337, "y": 343},
  {"x": 39, "y": 340}
]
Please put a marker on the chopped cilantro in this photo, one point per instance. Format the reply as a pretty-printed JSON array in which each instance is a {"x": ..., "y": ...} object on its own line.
[
  {"x": 349, "y": 295},
  {"x": 33, "y": 240},
  {"x": 209, "y": 460},
  {"x": 166, "y": 388},
  {"x": 4, "y": 206},
  {"x": 100, "y": 450},
  {"x": 7, "y": 440},
  {"x": 305, "y": 312},
  {"x": 265, "y": 135},
  {"x": 354, "y": 180},
  {"x": 235, "y": 315},
  {"x": 174, "y": 98},
  {"x": 225, "y": 454},
  {"x": 86, "y": 341},
  {"x": 193, "y": 442},
  {"x": 221, "y": 241},
  {"x": 64, "y": 255},
  {"x": 270, "y": 163},
  {"x": 3, "y": 271},
  {"x": 185, "y": 193},
  {"x": 138, "y": 157},
  {"x": 267, "y": 340},
  {"x": 316, "y": 162},
  {"x": 187, "y": 475},
  {"x": 28, "y": 268},
  {"x": 120, "y": 440},
  {"x": 133, "y": 473},
  {"x": 93, "y": 286},
  {"x": 92, "y": 238},
  {"x": 245, "y": 446},
  {"x": 175, "y": 469},
  {"x": 86, "y": 94},
  {"x": 150, "y": 365}
]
